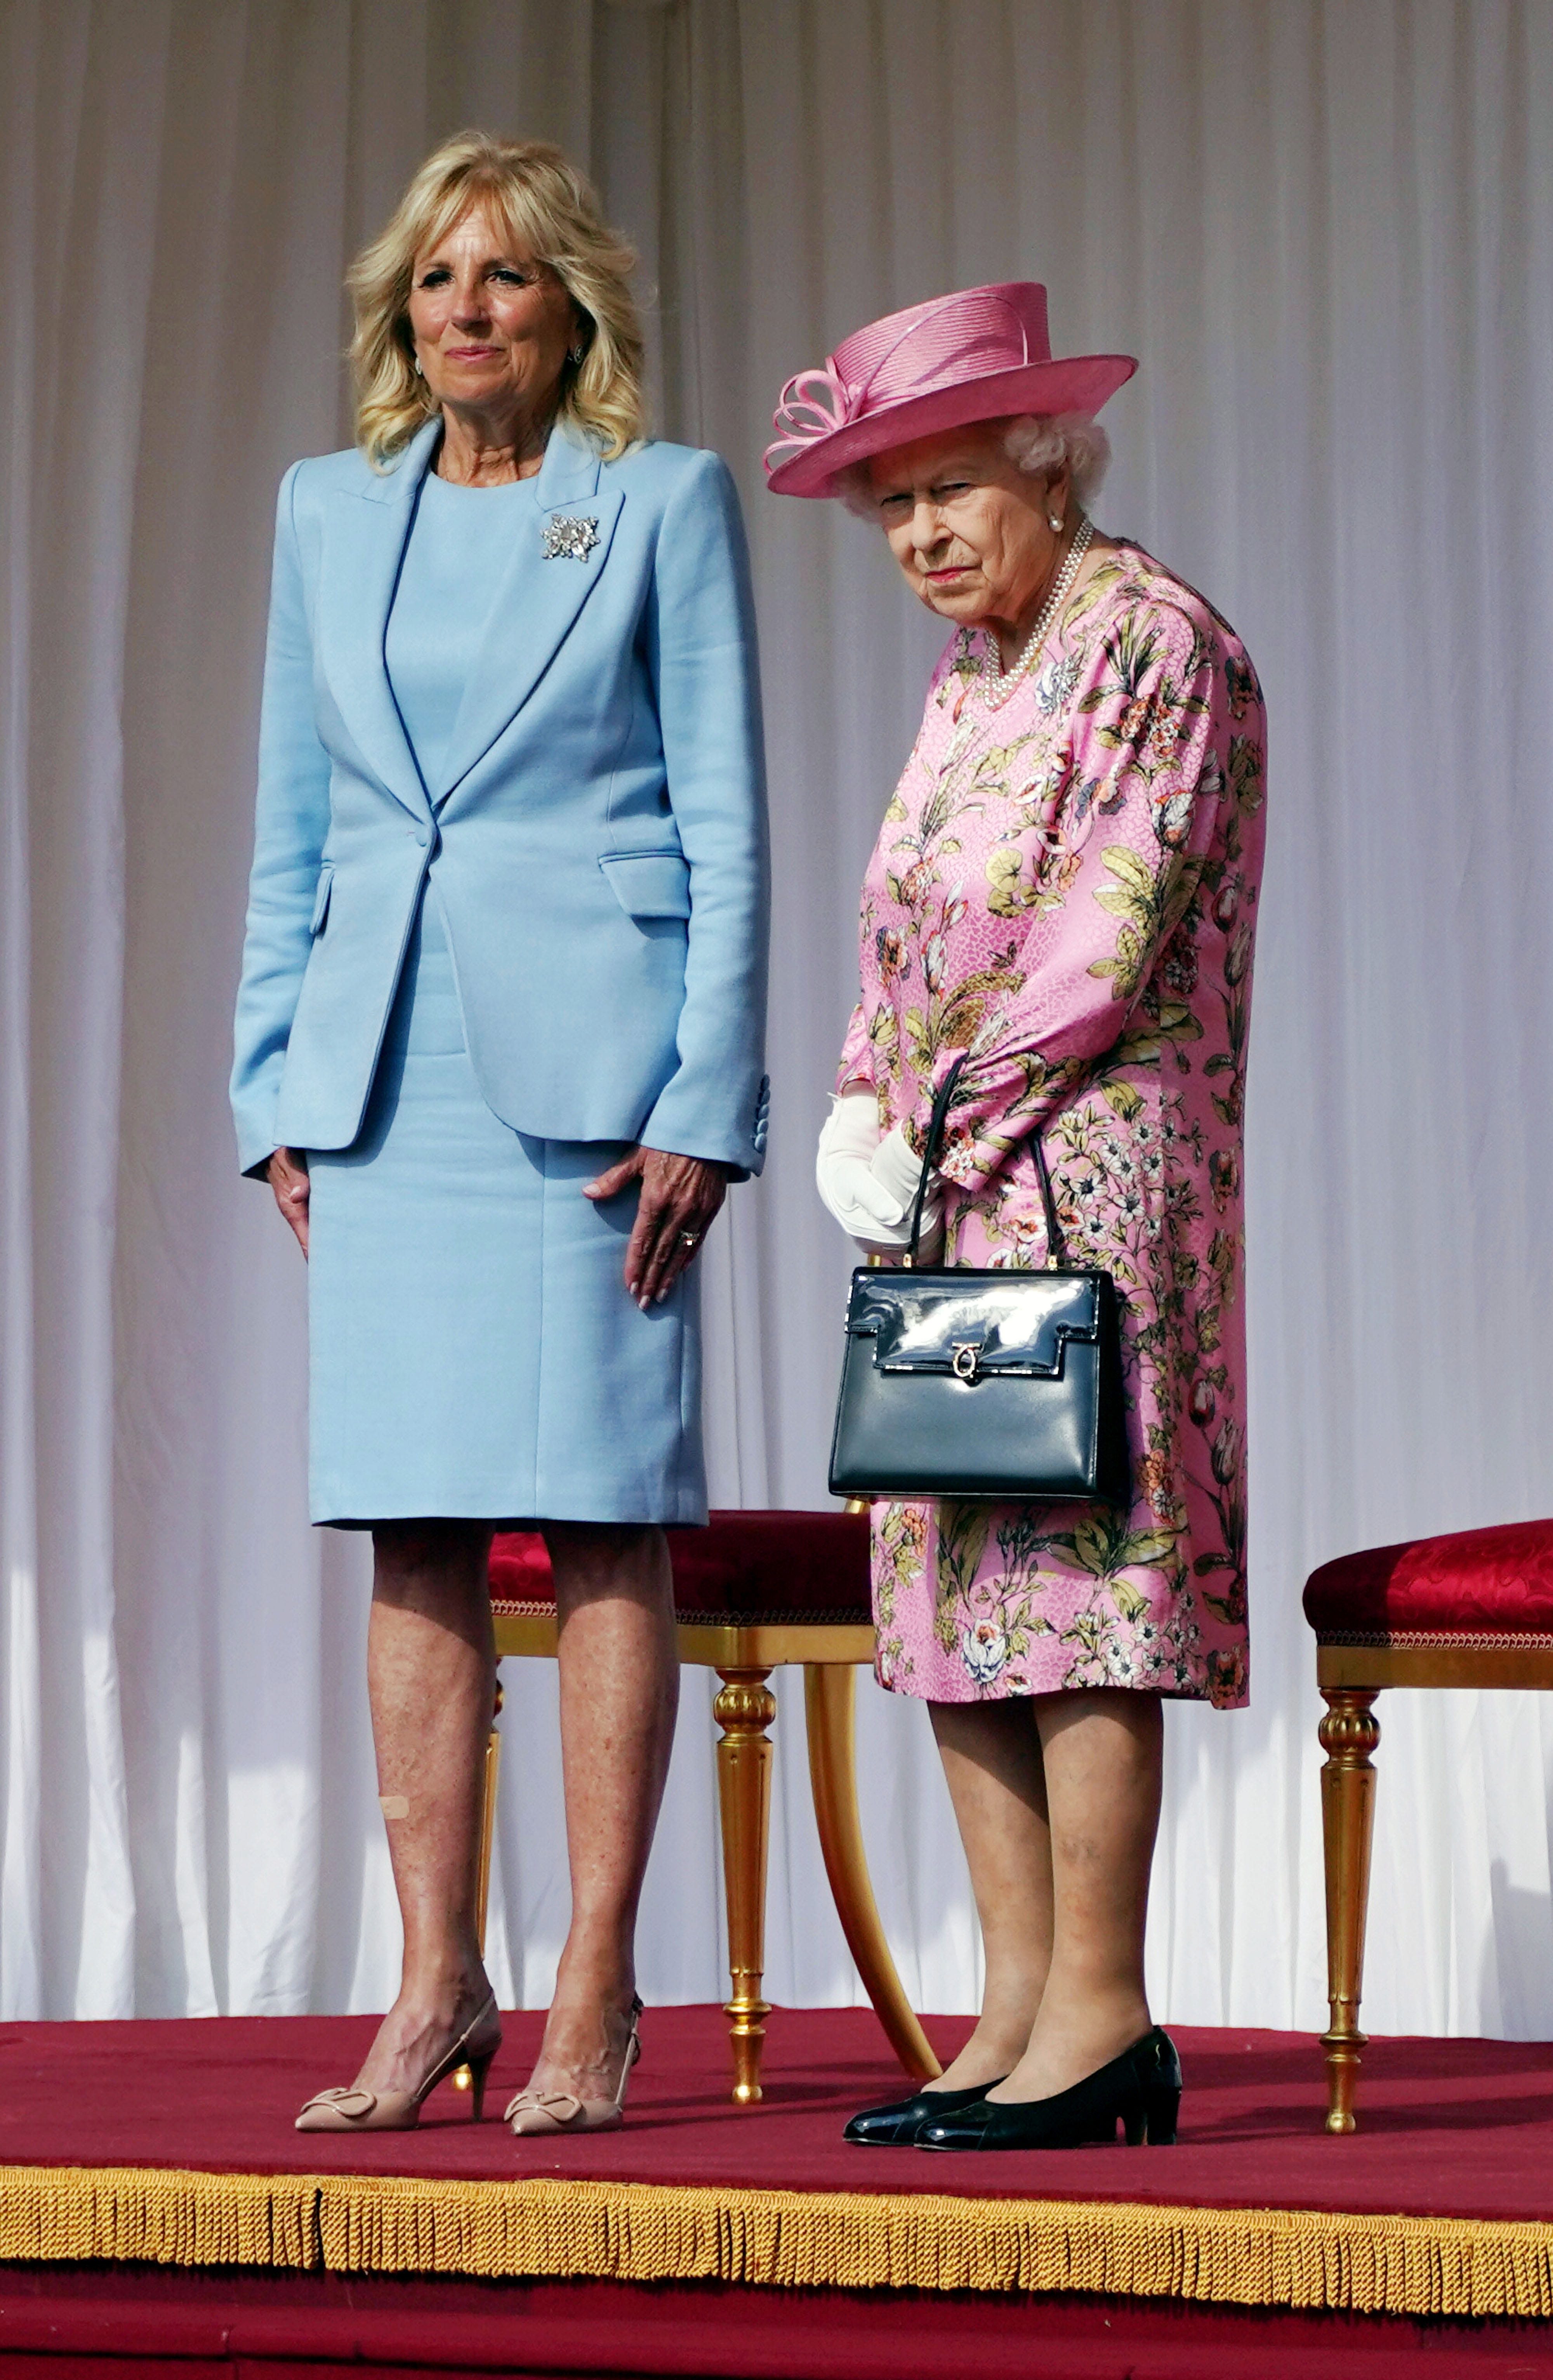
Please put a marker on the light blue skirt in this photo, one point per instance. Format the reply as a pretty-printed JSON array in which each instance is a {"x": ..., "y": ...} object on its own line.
[{"x": 474, "y": 1353}]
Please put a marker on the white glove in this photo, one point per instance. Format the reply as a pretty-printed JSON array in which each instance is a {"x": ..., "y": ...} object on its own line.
[{"x": 868, "y": 1182}]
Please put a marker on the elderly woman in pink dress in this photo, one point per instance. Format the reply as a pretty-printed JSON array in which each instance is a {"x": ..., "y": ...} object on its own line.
[{"x": 1063, "y": 898}]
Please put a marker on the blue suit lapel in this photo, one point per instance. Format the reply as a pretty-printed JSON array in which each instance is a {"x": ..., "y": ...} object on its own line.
[
  {"x": 537, "y": 602},
  {"x": 360, "y": 572}
]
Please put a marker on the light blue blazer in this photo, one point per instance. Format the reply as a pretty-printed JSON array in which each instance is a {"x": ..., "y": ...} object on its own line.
[{"x": 597, "y": 837}]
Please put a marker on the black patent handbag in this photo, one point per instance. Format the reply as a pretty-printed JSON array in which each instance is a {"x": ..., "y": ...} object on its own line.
[{"x": 982, "y": 1385}]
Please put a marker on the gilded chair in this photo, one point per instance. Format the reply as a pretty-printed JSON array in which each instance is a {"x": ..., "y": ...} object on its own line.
[
  {"x": 1472, "y": 1609},
  {"x": 754, "y": 1592}
]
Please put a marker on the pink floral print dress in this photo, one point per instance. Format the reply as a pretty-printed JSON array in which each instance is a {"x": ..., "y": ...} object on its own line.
[{"x": 1063, "y": 892}]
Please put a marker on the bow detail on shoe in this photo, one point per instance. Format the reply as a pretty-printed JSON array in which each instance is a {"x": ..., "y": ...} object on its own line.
[
  {"x": 559, "y": 2106},
  {"x": 352, "y": 2109},
  {"x": 353, "y": 2103},
  {"x": 531, "y": 2111}
]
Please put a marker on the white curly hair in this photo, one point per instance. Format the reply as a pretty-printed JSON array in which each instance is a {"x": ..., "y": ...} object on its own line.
[{"x": 1038, "y": 443}]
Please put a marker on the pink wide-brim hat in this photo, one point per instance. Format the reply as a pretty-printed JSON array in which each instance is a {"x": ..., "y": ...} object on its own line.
[{"x": 974, "y": 356}]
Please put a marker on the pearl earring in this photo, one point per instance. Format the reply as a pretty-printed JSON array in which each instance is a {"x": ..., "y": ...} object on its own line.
[{"x": 1055, "y": 520}]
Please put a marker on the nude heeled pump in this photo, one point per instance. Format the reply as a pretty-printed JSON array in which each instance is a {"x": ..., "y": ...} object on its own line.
[
  {"x": 342, "y": 2111},
  {"x": 531, "y": 2112}
]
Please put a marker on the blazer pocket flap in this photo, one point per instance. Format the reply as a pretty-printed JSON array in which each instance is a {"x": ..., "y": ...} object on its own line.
[
  {"x": 649, "y": 883},
  {"x": 321, "y": 900}
]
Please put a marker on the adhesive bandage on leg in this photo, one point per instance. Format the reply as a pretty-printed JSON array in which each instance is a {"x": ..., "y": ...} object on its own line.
[{"x": 393, "y": 1805}]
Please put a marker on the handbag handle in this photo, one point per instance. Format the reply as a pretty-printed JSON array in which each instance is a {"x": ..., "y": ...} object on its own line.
[{"x": 1055, "y": 1246}]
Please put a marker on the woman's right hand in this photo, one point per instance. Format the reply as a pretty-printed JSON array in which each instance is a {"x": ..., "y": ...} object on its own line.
[
  {"x": 847, "y": 1175},
  {"x": 288, "y": 1180}
]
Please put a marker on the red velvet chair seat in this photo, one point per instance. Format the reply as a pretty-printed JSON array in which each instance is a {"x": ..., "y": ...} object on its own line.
[
  {"x": 1478, "y": 1587},
  {"x": 743, "y": 1570},
  {"x": 1475, "y": 1609}
]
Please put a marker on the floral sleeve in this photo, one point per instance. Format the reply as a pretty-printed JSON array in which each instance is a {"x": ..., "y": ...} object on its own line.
[
  {"x": 1126, "y": 851},
  {"x": 855, "y": 1066}
]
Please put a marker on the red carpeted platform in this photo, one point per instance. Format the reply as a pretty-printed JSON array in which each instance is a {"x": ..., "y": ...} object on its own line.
[
  {"x": 209, "y": 2326},
  {"x": 1449, "y": 2128},
  {"x": 128, "y": 2148}
]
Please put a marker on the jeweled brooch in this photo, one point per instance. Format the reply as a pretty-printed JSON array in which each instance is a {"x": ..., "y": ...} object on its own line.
[{"x": 570, "y": 537}]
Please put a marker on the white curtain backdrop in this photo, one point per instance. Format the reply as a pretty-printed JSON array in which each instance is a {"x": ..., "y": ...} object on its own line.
[{"x": 1329, "y": 234}]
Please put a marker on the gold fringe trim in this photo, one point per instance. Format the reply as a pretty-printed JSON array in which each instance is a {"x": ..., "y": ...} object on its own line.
[{"x": 641, "y": 2231}]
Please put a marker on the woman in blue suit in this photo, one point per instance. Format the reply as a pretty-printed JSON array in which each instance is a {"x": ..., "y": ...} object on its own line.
[{"x": 499, "y": 1042}]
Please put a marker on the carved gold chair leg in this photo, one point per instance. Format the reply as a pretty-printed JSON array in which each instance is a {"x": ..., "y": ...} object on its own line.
[
  {"x": 744, "y": 1710},
  {"x": 829, "y": 1709},
  {"x": 462, "y": 2077},
  {"x": 1350, "y": 1734}
]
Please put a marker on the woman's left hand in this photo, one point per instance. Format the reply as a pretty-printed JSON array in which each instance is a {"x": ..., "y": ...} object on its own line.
[{"x": 680, "y": 1198}]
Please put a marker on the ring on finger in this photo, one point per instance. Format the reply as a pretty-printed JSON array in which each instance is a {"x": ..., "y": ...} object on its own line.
[{"x": 690, "y": 1239}]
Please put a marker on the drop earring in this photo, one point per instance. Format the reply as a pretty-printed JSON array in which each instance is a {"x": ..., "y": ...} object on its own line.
[{"x": 419, "y": 368}]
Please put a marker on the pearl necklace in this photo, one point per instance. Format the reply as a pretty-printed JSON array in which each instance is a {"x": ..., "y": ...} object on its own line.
[{"x": 1001, "y": 682}]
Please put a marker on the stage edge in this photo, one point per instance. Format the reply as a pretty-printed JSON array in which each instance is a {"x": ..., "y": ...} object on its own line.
[{"x": 639, "y": 2231}]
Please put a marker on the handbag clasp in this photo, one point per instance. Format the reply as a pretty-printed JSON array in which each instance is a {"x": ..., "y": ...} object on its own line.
[{"x": 966, "y": 1359}]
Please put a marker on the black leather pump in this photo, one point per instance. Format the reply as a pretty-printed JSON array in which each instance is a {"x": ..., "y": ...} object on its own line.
[
  {"x": 897, "y": 2126},
  {"x": 1141, "y": 2090}
]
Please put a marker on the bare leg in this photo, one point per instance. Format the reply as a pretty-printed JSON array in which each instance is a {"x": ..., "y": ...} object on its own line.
[
  {"x": 1102, "y": 1752},
  {"x": 991, "y": 1755},
  {"x": 619, "y": 1697},
  {"x": 430, "y": 1674}
]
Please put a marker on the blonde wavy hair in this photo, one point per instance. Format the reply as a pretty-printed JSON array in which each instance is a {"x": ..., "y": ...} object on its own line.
[{"x": 547, "y": 211}]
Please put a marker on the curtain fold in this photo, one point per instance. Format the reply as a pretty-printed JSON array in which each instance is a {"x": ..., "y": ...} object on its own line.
[{"x": 1328, "y": 234}]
